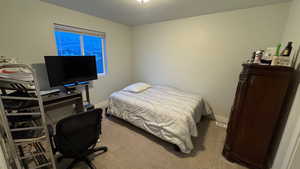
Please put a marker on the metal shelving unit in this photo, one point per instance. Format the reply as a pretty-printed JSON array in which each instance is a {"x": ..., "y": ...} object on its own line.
[{"x": 24, "y": 133}]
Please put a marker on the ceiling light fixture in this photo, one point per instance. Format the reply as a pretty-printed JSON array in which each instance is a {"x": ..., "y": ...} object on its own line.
[{"x": 143, "y": 1}]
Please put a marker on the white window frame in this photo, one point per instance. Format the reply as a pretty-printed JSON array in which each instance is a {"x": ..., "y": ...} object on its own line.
[{"x": 82, "y": 31}]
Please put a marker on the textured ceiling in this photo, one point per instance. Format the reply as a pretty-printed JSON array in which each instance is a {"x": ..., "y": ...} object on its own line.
[{"x": 130, "y": 12}]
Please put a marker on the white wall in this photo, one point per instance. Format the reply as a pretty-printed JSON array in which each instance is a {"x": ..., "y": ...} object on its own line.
[
  {"x": 26, "y": 31},
  {"x": 3, "y": 164},
  {"x": 296, "y": 162},
  {"x": 204, "y": 54},
  {"x": 291, "y": 33},
  {"x": 200, "y": 54}
]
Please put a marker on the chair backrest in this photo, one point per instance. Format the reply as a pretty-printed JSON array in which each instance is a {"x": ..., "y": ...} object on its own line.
[{"x": 77, "y": 133}]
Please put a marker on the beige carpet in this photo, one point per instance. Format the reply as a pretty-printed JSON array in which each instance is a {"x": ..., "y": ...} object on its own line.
[{"x": 132, "y": 148}]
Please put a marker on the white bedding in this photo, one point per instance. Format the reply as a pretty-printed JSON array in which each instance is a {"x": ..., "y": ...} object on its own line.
[{"x": 165, "y": 112}]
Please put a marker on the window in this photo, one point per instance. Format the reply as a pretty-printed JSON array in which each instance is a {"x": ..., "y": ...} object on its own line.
[{"x": 71, "y": 41}]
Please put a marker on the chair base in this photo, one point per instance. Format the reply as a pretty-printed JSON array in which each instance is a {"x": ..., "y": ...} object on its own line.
[{"x": 85, "y": 159}]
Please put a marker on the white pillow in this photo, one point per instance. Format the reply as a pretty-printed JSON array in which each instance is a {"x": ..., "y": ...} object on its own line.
[{"x": 137, "y": 87}]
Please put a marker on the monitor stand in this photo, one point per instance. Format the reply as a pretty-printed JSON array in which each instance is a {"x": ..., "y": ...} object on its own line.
[{"x": 70, "y": 88}]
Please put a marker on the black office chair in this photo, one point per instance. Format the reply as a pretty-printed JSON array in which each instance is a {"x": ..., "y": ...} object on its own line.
[{"x": 77, "y": 135}]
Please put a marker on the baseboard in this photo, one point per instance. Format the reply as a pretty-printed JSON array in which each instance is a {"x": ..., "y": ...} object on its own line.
[{"x": 221, "y": 121}]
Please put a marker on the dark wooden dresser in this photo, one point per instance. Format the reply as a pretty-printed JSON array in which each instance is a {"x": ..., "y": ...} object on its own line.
[{"x": 256, "y": 114}]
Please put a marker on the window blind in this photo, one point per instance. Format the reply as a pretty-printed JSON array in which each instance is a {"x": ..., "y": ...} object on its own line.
[{"x": 65, "y": 28}]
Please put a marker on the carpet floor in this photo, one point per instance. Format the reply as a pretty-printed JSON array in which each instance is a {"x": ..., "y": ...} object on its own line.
[{"x": 132, "y": 148}]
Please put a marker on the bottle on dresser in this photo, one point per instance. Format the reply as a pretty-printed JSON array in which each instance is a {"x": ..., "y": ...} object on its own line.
[
  {"x": 287, "y": 50},
  {"x": 283, "y": 59}
]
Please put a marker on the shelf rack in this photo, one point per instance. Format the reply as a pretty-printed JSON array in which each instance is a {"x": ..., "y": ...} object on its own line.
[{"x": 24, "y": 136}]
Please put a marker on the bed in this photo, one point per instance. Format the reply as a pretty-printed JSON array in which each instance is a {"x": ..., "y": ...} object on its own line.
[{"x": 165, "y": 112}]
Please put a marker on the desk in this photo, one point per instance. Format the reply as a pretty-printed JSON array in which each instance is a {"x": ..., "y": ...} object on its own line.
[{"x": 61, "y": 99}]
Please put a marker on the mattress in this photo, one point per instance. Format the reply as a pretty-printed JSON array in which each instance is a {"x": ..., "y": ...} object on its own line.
[{"x": 165, "y": 112}]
